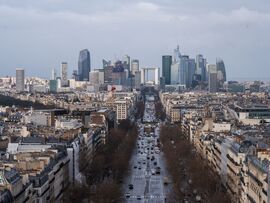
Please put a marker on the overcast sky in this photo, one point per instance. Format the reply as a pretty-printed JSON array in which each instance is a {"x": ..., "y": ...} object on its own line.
[{"x": 38, "y": 34}]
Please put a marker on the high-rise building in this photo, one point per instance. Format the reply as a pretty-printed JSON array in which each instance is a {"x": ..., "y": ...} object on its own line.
[
  {"x": 19, "y": 79},
  {"x": 166, "y": 68},
  {"x": 106, "y": 63},
  {"x": 54, "y": 74},
  {"x": 75, "y": 75},
  {"x": 94, "y": 77},
  {"x": 137, "y": 79},
  {"x": 213, "y": 82},
  {"x": 64, "y": 74},
  {"x": 53, "y": 86},
  {"x": 201, "y": 67},
  {"x": 191, "y": 70},
  {"x": 84, "y": 65},
  {"x": 212, "y": 74},
  {"x": 183, "y": 70},
  {"x": 134, "y": 66},
  {"x": 221, "y": 67},
  {"x": 175, "y": 67},
  {"x": 176, "y": 55},
  {"x": 126, "y": 62}
]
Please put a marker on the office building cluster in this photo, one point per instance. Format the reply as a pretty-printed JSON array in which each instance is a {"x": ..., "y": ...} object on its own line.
[
  {"x": 188, "y": 73},
  {"x": 230, "y": 131}
]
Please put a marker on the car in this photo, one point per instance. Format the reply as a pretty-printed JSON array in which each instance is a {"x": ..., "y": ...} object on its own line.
[
  {"x": 127, "y": 195},
  {"x": 139, "y": 197},
  {"x": 135, "y": 167},
  {"x": 139, "y": 168},
  {"x": 130, "y": 186}
]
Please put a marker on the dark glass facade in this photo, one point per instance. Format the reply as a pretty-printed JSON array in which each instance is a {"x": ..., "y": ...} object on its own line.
[
  {"x": 166, "y": 69},
  {"x": 84, "y": 65}
]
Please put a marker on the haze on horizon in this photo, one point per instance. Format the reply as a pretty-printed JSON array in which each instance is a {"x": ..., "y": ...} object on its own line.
[{"x": 38, "y": 35}]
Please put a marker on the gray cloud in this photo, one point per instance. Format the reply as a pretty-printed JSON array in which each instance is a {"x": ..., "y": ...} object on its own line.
[{"x": 38, "y": 35}]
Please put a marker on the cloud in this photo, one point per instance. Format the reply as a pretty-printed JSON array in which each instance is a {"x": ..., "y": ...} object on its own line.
[{"x": 144, "y": 29}]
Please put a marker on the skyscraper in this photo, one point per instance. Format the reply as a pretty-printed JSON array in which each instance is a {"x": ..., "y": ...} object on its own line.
[
  {"x": 213, "y": 83},
  {"x": 175, "y": 68},
  {"x": 126, "y": 63},
  {"x": 190, "y": 72},
  {"x": 19, "y": 80},
  {"x": 134, "y": 66},
  {"x": 94, "y": 77},
  {"x": 166, "y": 68},
  {"x": 201, "y": 66},
  {"x": 176, "y": 55},
  {"x": 53, "y": 77},
  {"x": 183, "y": 70},
  {"x": 221, "y": 67},
  {"x": 84, "y": 65},
  {"x": 212, "y": 77},
  {"x": 137, "y": 79},
  {"x": 64, "y": 74}
]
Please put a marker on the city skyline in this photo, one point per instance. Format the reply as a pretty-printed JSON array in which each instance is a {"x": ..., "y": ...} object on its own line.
[{"x": 159, "y": 26}]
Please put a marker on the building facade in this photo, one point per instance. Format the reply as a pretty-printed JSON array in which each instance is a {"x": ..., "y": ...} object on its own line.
[
  {"x": 84, "y": 65},
  {"x": 19, "y": 80},
  {"x": 166, "y": 68},
  {"x": 64, "y": 74}
]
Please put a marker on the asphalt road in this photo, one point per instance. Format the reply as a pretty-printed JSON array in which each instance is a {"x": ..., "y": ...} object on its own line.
[{"x": 148, "y": 185}]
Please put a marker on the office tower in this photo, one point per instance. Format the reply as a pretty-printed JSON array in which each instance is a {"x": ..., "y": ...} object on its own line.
[
  {"x": 108, "y": 74},
  {"x": 137, "y": 80},
  {"x": 176, "y": 55},
  {"x": 212, "y": 74},
  {"x": 101, "y": 76},
  {"x": 53, "y": 77},
  {"x": 221, "y": 67},
  {"x": 162, "y": 83},
  {"x": 84, "y": 65},
  {"x": 190, "y": 72},
  {"x": 106, "y": 63},
  {"x": 175, "y": 67},
  {"x": 183, "y": 70},
  {"x": 166, "y": 68},
  {"x": 58, "y": 82},
  {"x": 53, "y": 86},
  {"x": 64, "y": 74},
  {"x": 94, "y": 77},
  {"x": 118, "y": 74},
  {"x": 126, "y": 62},
  {"x": 19, "y": 80},
  {"x": 201, "y": 67},
  {"x": 213, "y": 82},
  {"x": 75, "y": 75},
  {"x": 134, "y": 66}
]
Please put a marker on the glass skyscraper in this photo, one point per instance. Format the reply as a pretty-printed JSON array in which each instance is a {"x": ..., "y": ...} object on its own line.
[
  {"x": 201, "y": 67},
  {"x": 221, "y": 67},
  {"x": 166, "y": 68},
  {"x": 19, "y": 80},
  {"x": 84, "y": 65}
]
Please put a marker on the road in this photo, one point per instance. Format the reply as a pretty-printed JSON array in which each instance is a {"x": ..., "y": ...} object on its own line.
[{"x": 145, "y": 184}]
